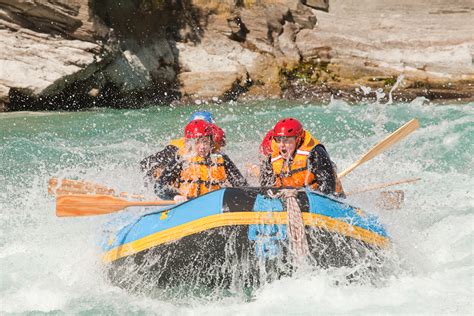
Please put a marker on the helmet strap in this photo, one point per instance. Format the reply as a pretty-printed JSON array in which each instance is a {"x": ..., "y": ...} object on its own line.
[{"x": 300, "y": 140}]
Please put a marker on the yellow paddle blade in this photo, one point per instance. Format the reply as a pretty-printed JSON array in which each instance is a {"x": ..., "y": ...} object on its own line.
[
  {"x": 84, "y": 204},
  {"x": 66, "y": 186},
  {"x": 390, "y": 200},
  {"x": 386, "y": 143}
]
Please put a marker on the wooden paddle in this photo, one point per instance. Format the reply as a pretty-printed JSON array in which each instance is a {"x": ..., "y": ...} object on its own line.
[
  {"x": 390, "y": 140},
  {"x": 387, "y": 200},
  {"x": 66, "y": 186},
  {"x": 87, "y": 204},
  {"x": 383, "y": 185}
]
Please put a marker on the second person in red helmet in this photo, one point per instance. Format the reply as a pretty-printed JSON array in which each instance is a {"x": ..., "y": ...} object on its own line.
[
  {"x": 198, "y": 169},
  {"x": 297, "y": 159},
  {"x": 153, "y": 165}
]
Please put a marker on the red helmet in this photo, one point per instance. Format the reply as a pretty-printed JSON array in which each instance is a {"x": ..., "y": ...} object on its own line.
[
  {"x": 197, "y": 128},
  {"x": 288, "y": 127},
  {"x": 218, "y": 135},
  {"x": 266, "y": 145}
]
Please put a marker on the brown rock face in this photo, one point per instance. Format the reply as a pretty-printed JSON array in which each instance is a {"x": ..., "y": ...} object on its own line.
[
  {"x": 322, "y": 5},
  {"x": 58, "y": 54},
  {"x": 70, "y": 18},
  {"x": 426, "y": 45},
  {"x": 45, "y": 46}
]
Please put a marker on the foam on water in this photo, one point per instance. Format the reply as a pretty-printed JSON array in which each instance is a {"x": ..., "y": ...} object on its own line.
[{"x": 51, "y": 264}]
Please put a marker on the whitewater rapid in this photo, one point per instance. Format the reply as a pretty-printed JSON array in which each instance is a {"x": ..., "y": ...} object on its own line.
[{"x": 50, "y": 264}]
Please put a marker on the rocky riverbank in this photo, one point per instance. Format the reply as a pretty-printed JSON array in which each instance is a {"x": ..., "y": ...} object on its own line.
[{"x": 84, "y": 53}]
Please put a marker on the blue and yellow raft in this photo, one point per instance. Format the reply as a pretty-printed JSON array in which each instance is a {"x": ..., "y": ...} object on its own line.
[{"x": 237, "y": 235}]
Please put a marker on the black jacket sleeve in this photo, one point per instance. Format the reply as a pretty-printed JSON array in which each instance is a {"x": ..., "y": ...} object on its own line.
[
  {"x": 234, "y": 176},
  {"x": 160, "y": 159},
  {"x": 164, "y": 186},
  {"x": 157, "y": 161},
  {"x": 321, "y": 166},
  {"x": 266, "y": 177}
]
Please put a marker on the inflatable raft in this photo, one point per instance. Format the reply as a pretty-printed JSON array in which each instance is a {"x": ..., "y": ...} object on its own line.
[{"x": 238, "y": 236}]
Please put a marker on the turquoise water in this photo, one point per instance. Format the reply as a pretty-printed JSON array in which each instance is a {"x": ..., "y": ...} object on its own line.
[{"x": 50, "y": 264}]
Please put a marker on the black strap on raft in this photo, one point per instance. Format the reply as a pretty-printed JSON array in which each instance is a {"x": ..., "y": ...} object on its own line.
[
  {"x": 243, "y": 199},
  {"x": 289, "y": 172},
  {"x": 199, "y": 181}
]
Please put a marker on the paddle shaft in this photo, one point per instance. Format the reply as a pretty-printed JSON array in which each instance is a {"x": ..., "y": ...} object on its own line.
[
  {"x": 386, "y": 143},
  {"x": 383, "y": 185}
]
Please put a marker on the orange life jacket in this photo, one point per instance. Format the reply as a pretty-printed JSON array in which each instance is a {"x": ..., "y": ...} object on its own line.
[
  {"x": 297, "y": 174},
  {"x": 200, "y": 175}
]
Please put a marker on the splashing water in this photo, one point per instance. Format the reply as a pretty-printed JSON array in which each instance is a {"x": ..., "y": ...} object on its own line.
[
  {"x": 395, "y": 86},
  {"x": 50, "y": 264}
]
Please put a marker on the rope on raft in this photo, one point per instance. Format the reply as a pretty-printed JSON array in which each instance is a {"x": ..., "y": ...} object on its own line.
[{"x": 296, "y": 232}]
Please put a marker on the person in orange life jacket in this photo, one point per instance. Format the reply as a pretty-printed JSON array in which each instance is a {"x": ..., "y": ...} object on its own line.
[
  {"x": 196, "y": 170},
  {"x": 154, "y": 164},
  {"x": 297, "y": 159},
  {"x": 266, "y": 145},
  {"x": 264, "y": 149},
  {"x": 218, "y": 138}
]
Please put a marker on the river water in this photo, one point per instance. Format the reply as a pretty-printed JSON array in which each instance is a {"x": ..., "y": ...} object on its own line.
[{"x": 50, "y": 264}]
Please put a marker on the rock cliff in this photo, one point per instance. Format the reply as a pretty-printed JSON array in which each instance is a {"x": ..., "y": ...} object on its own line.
[{"x": 73, "y": 54}]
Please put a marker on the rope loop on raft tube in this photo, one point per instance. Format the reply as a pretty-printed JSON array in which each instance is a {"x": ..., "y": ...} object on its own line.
[{"x": 296, "y": 231}]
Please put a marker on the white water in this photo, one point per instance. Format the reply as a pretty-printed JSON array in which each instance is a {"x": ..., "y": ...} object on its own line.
[{"x": 49, "y": 264}]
